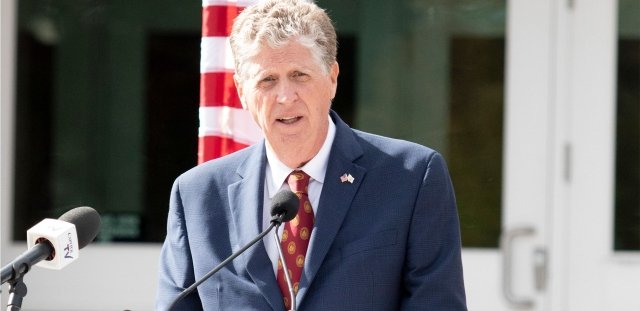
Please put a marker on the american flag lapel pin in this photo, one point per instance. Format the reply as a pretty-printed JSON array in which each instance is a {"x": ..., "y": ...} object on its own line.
[{"x": 346, "y": 178}]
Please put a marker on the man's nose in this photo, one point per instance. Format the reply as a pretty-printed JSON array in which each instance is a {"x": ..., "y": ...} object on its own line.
[{"x": 286, "y": 92}]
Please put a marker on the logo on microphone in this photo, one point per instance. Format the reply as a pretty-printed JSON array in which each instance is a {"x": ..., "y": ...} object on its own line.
[
  {"x": 69, "y": 249},
  {"x": 63, "y": 238}
]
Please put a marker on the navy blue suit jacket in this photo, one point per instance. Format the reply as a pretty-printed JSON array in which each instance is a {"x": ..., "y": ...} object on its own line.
[{"x": 388, "y": 241}]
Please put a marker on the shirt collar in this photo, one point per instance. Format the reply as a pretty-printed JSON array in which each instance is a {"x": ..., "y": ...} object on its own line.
[{"x": 277, "y": 171}]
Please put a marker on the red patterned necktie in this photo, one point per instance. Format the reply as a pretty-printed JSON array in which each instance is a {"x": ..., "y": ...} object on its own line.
[{"x": 295, "y": 237}]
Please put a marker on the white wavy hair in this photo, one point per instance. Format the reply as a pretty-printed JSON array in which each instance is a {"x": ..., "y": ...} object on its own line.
[{"x": 277, "y": 22}]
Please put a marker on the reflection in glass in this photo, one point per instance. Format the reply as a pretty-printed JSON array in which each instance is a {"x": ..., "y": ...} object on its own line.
[{"x": 106, "y": 111}]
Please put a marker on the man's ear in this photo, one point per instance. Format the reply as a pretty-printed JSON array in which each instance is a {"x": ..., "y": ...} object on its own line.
[
  {"x": 333, "y": 74},
  {"x": 240, "y": 89}
]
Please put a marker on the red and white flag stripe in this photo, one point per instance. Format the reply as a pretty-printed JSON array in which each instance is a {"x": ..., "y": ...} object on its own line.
[{"x": 224, "y": 126}]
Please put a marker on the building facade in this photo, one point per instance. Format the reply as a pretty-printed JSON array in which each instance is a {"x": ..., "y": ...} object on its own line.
[{"x": 535, "y": 104}]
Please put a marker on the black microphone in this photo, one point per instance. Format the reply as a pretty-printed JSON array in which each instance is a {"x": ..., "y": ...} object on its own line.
[
  {"x": 56, "y": 240},
  {"x": 284, "y": 207}
]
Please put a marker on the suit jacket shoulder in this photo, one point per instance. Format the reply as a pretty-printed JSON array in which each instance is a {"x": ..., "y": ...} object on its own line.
[
  {"x": 212, "y": 179},
  {"x": 384, "y": 149}
]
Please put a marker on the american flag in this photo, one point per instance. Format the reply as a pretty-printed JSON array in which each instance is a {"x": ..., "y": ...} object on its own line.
[{"x": 224, "y": 126}]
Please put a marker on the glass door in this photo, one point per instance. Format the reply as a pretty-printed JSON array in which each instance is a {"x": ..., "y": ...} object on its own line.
[
  {"x": 530, "y": 167},
  {"x": 571, "y": 221},
  {"x": 601, "y": 262}
]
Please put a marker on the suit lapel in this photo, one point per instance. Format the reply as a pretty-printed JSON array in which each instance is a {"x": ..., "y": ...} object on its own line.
[
  {"x": 247, "y": 217},
  {"x": 335, "y": 200}
]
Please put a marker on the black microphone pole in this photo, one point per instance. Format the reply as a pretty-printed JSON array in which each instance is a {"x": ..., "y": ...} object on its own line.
[
  {"x": 21, "y": 265},
  {"x": 15, "y": 271},
  {"x": 284, "y": 208},
  {"x": 287, "y": 278},
  {"x": 218, "y": 267}
]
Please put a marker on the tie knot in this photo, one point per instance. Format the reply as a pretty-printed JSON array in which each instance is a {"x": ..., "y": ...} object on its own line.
[{"x": 298, "y": 181}]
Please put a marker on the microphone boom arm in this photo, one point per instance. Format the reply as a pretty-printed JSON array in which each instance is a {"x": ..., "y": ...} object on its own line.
[
  {"x": 284, "y": 208},
  {"x": 193, "y": 286},
  {"x": 21, "y": 265},
  {"x": 15, "y": 270}
]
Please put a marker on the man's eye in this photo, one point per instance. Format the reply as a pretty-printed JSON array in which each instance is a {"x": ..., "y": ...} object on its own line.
[
  {"x": 300, "y": 76},
  {"x": 267, "y": 81}
]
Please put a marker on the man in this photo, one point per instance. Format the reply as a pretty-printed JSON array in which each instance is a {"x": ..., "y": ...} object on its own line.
[{"x": 378, "y": 227}]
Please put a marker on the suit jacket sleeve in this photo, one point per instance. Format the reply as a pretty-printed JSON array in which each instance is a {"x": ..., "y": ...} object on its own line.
[
  {"x": 433, "y": 269},
  {"x": 176, "y": 268}
]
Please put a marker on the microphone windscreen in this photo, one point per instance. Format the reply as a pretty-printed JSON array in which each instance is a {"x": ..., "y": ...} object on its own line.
[
  {"x": 285, "y": 203},
  {"x": 87, "y": 222}
]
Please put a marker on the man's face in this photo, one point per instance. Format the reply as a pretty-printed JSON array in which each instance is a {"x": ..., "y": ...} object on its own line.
[{"x": 289, "y": 96}]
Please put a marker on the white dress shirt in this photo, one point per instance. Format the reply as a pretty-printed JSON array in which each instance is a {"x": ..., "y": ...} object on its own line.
[{"x": 275, "y": 177}]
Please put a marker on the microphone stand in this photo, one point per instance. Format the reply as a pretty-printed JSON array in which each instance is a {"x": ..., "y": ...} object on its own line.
[
  {"x": 285, "y": 270},
  {"x": 276, "y": 220},
  {"x": 284, "y": 206},
  {"x": 17, "y": 291},
  {"x": 15, "y": 271},
  {"x": 221, "y": 265}
]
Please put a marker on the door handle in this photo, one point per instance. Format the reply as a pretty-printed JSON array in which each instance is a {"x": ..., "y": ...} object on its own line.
[
  {"x": 540, "y": 268},
  {"x": 507, "y": 267}
]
